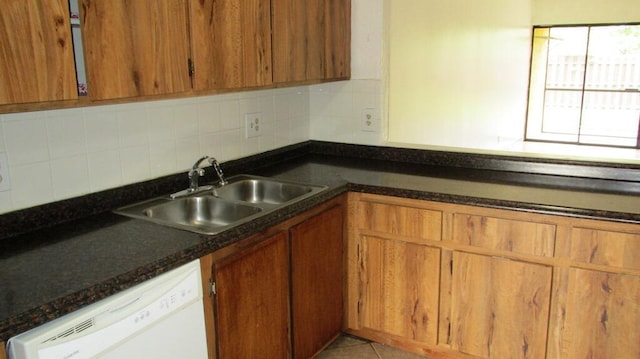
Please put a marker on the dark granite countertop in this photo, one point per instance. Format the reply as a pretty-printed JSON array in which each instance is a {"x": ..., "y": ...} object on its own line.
[{"x": 55, "y": 269}]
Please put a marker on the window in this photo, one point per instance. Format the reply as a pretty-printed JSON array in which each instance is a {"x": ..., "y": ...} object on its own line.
[{"x": 585, "y": 85}]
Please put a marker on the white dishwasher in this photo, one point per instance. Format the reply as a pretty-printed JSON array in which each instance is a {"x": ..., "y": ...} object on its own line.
[{"x": 160, "y": 318}]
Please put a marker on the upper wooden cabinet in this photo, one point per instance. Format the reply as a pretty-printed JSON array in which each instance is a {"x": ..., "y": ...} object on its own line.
[
  {"x": 311, "y": 40},
  {"x": 231, "y": 43},
  {"x": 168, "y": 48},
  {"x": 135, "y": 48},
  {"x": 36, "y": 57}
]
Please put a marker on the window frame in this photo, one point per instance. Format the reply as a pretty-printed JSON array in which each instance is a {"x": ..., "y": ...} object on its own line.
[{"x": 536, "y": 92}]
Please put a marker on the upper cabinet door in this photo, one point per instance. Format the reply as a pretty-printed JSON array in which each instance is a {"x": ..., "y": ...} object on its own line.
[
  {"x": 135, "y": 48},
  {"x": 36, "y": 52},
  {"x": 231, "y": 43},
  {"x": 337, "y": 39},
  {"x": 298, "y": 40},
  {"x": 311, "y": 40}
]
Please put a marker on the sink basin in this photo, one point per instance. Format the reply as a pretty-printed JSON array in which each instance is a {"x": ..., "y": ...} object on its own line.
[
  {"x": 260, "y": 190},
  {"x": 204, "y": 214},
  {"x": 201, "y": 211},
  {"x": 214, "y": 209}
]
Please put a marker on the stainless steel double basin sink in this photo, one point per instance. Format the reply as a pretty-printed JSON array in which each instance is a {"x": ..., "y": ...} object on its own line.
[{"x": 211, "y": 210}]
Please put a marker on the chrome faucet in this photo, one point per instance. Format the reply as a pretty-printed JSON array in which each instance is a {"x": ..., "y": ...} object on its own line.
[
  {"x": 216, "y": 167},
  {"x": 196, "y": 172}
]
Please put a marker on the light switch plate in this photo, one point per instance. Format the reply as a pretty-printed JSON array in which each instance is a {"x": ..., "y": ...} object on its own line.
[{"x": 5, "y": 184}]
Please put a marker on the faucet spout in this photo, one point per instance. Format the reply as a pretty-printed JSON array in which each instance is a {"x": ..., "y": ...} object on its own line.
[
  {"x": 216, "y": 166},
  {"x": 194, "y": 173}
]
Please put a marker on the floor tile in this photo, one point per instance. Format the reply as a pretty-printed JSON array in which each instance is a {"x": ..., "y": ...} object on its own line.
[
  {"x": 361, "y": 351},
  {"x": 387, "y": 352}
]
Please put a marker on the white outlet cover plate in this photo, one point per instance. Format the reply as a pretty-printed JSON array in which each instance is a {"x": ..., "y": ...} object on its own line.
[
  {"x": 369, "y": 122},
  {"x": 5, "y": 184},
  {"x": 253, "y": 124}
]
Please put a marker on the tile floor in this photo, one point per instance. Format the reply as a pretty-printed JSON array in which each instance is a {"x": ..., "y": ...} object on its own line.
[{"x": 347, "y": 346}]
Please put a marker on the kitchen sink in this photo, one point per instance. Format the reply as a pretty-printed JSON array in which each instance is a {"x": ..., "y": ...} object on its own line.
[
  {"x": 212, "y": 209},
  {"x": 262, "y": 190}
]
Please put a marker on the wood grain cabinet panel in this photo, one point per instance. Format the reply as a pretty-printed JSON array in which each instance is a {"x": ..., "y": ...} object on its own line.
[
  {"x": 397, "y": 220},
  {"x": 231, "y": 43},
  {"x": 602, "y": 316},
  {"x": 252, "y": 305},
  {"x": 135, "y": 48},
  {"x": 400, "y": 290},
  {"x": 316, "y": 281},
  {"x": 502, "y": 234},
  {"x": 604, "y": 247},
  {"x": 500, "y": 308},
  {"x": 36, "y": 52},
  {"x": 311, "y": 40}
]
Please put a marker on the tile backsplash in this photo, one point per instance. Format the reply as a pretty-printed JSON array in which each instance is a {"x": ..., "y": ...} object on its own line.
[{"x": 59, "y": 154}]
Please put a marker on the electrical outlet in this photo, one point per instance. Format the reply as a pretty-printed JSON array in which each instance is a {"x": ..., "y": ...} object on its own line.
[
  {"x": 5, "y": 185},
  {"x": 253, "y": 124},
  {"x": 369, "y": 123}
]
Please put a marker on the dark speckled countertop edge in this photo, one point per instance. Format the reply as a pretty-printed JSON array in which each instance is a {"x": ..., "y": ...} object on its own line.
[{"x": 52, "y": 308}]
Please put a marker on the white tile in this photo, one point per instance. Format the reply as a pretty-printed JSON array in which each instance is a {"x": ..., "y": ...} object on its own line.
[
  {"x": 160, "y": 124},
  {"x": 66, "y": 135},
  {"x": 31, "y": 184},
  {"x": 26, "y": 141},
  {"x": 210, "y": 145},
  {"x": 135, "y": 164},
  {"x": 229, "y": 115},
  {"x": 186, "y": 121},
  {"x": 2, "y": 145},
  {"x": 6, "y": 202},
  {"x": 70, "y": 177},
  {"x": 208, "y": 117},
  {"x": 132, "y": 128},
  {"x": 105, "y": 170},
  {"x": 101, "y": 131},
  {"x": 187, "y": 152},
  {"x": 162, "y": 158},
  {"x": 229, "y": 145}
]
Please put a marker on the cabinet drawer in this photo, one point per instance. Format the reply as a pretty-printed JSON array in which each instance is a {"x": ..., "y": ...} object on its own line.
[
  {"x": 503, "y": 234},
  {"x": 400, "y": 220},
  {"x": 613, "y": 249}
]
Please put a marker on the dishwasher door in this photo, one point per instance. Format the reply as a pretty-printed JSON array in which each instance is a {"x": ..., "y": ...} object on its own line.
[{"x": 160, "y": 318}]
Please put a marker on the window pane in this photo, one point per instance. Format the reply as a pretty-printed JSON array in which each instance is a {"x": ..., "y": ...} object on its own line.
[
  {"x": 562, "y": 113},
  {"x": 610, "y": 118},
  {"x": 567, "y": 54},
  {"x": 614, "y": 58}
]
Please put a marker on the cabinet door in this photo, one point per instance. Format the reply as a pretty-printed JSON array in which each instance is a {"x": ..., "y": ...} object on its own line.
[
  {"x": 135, "y": 48},
  {"x": 316, "y": 277},
  {"x": 231, "y": 43},
  {"x": 500, "y": 308},
  {"x": 252, "y": 307},
  {"x": 311, "y": 40},
  {"x": 400, "y": 288},
  {"x": 602, "y": 315},
  {"x": 36, "y": 57},
  {"x": 337, "y": 39},
  {"x": 298, "y": 40}
]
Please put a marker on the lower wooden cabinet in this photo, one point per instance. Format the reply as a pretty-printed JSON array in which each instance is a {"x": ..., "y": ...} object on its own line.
[
  {"x": 499, "y": 307},
  {"x": 252, "y": 306},
  {"x": 400, "y": 290},
  {"x": 278, "y": 294},
  {"x": 317, "y": 281},
  {"x": 472, "y": 282}
]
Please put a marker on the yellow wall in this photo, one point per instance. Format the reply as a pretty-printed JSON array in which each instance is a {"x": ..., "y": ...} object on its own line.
[
  {"x": 553, "y": 12},
  {"x": 457, "y": 71}
]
